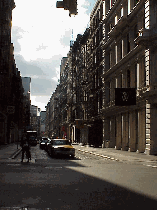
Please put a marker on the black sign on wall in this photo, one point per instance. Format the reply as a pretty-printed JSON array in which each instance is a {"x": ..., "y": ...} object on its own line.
[{"x": 125, "y": 96}]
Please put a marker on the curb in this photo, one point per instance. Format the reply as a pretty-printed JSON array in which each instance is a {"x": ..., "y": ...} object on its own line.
[
  {"x": 107, "y": 157},
  {"x": 15, "y": 154},
  {"x": 96, "y": 154}
]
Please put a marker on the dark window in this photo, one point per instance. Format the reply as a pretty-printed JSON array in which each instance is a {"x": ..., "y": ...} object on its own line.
[
  {"x": 128, "y": 78},
  {"x": 135, "y": 33},
  {"x": 108, "y": 61},
  {"x": 136, "y": 76},
  {"x": 100, "y": 100},
  {"x": 121, "y": 49},
  {"x": 121, "y": 81},
  {"x": 145, "y": 74},
  {"x": 109, "y": 92},
  {"x": 128, "y": 44}
]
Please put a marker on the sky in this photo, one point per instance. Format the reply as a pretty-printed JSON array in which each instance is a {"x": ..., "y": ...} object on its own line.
[{"x": 41, "y": 35}]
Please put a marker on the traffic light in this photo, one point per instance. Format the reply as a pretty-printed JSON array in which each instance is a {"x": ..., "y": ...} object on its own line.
[{"x": 70, "y": 5}]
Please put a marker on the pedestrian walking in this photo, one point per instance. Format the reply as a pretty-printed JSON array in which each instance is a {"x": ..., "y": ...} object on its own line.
[{"x": 25, "y": 148}]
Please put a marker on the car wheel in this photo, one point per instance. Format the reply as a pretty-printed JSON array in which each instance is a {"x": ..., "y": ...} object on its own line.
[
  {"x": 49, "y": 152},
  {"x": 52, "y": 154},
  {"x": 72, "y": 156}
]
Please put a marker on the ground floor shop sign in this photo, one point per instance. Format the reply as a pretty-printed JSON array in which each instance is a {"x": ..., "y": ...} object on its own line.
[{"x": 125, "y": 96}]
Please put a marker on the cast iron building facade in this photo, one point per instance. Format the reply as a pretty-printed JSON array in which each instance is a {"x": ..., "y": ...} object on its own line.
[
  {"x": 129, "y": 52},
  {"x": 119, "y": 50}
]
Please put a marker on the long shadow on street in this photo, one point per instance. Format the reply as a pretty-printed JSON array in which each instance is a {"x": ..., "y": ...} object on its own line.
[{"x": 56, "y": 184}]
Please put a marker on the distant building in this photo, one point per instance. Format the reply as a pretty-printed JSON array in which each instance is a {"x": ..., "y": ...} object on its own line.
[
  {"x": 35, "y": 118},
  {"x": 34, "y": 110},
  {"x": 43, "y": 121},
  {"x": 26, "y": 82}
]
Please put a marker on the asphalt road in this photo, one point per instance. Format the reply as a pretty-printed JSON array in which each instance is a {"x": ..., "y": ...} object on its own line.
[{"x": 84, "y": 183}]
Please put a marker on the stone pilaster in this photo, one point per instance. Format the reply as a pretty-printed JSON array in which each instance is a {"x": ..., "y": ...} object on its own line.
[
  {"x": 133, "y": 132},
  {"x": 151, "y": 143},
  {"x": 112, "y": 142},
  {"x": 118, "y": 132},
  {"x": 106, "y": 131},
  {"x": 141, "y": 130},
  {"x": 125, "y": 132}
]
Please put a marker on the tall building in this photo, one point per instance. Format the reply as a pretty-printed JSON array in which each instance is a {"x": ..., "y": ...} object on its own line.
[
  {"x": 35, "y": 118},
  {"x": 63, "y": 96},
  {"x": 26, "y": 82},
  {"x": 116, "y": 55},
  {"x": 129, "y": 51},
  {"x": 43, "y": 123},
  {"x": 11, "y": 92}
]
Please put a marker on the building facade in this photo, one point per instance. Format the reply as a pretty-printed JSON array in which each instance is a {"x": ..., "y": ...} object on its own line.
[
  {"x": 43, "y": 123},
  {"x": 64, "y": 68},
  {"x": 130, "y": 62},
  {"x": 117, "y": 52},
  {"x": 26, "y": 82},
  {"x": 35, "y": 123},
  {"x": 11, "y": 90}
]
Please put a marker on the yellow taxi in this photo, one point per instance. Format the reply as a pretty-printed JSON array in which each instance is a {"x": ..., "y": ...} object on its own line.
[{"x": 60, "y": 147}]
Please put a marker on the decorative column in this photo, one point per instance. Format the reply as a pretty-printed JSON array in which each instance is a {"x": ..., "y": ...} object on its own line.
[
  {"x": 153, "y": 129},
  {"x": 125, "y": 132},
  {"x": 118, "y": 132},
  {"x": 106, "y": 131},
  {"x": 141, "y": 130},
  {"x": 112, "y": 142},
  {"x": 133, "y": 132}
]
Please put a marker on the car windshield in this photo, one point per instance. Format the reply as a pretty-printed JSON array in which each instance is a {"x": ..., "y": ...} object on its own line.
[
  {"x": 61, "y": 142},
  {"x": 44, "y": 140},
  {"x": 32, "y": 137}
]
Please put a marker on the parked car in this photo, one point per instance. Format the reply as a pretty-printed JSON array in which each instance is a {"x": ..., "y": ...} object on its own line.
[
  {"x": 39, "y": 138},
  {"x": 61, "y": 147},
  {"x": 43, "y": 142},
  {"x": 46, "y": 146},
  {"x": 32, "y": 141}
]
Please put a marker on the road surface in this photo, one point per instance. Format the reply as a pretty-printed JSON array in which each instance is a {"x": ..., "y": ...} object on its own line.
[{"x": 86, "y": 182}]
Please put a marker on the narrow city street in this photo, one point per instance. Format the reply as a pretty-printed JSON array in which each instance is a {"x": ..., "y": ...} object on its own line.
[{"x": 85, "y": 182}]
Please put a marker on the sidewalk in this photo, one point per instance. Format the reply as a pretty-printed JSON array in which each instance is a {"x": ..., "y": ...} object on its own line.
[
  {"x": 9, "y": 150},
  {"x": 118, "y": 155}
]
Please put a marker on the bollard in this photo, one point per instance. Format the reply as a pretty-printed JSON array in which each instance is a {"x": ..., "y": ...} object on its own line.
[{"x": 103, "y": 145}]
